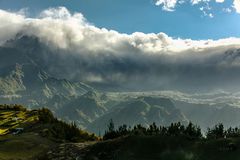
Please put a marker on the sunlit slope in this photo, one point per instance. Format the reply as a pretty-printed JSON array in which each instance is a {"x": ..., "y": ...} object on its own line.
[
  {"x": 30, "y": 134},
  {"x": 16, "y": 117}
]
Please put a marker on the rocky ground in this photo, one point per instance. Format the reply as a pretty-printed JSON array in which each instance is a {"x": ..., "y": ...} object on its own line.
[{"x": 70, "y": 151}]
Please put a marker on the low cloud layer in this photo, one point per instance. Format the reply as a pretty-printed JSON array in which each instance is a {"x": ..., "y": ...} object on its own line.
[{"x": 80, "y": 51}]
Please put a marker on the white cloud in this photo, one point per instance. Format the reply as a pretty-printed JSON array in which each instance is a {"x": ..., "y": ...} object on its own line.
[
  {"x": 195, "y": 1},
  {"x": 108, "y": 55},
  {"x": 11, "y": 24},
  {"x": 236, "y": 5},
  {"x": 219, "y": 1},
  {"x": 227, "y": 10},
  {"x": 65, "y": 30},
  {"x": 168, "y": 5},
  {"x": 210, "y": 15},
  {"x": 206, "y": 10}
]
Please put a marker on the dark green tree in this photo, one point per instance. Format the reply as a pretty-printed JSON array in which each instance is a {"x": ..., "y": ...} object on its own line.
[
  {"x": 232, "y": 132},
  {"x": 216, "y": 132},
  {"x": 193, "y": 131},
  {"x": 110, "y": 133}
]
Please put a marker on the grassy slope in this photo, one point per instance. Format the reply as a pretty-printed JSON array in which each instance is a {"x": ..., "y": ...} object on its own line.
[
  {"x": 10, "y": 119},
  {"x": 37, "y": 137},
  {"x": 25, "y": 145}
]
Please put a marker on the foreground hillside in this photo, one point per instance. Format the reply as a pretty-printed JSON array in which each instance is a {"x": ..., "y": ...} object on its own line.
[
  {"x": 175, "y": 142},
  {"x": 26, "y": 134},
  {"x": 37, "y": 135},
  {"x": 164, "y": 148}
]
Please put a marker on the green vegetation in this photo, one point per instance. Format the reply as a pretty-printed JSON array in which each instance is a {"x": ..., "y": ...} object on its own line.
[
  {"x": 41, "y": 121},
  {"x": 15, "y": 116},
  {"x": 218, "y": 132},
  {"x": 159, "y": 147},
  {"x": 28, "y": 134},
  {"x": 189, "y": 131},
  {"x": 27, "y": 145},
  {"x": 175, "y": 129},
  {"x": 175, "y": 142},
  {"x": 56, "y": 129}
]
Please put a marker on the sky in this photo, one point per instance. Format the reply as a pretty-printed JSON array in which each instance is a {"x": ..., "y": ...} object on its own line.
[{"x": 193, "y": 19}]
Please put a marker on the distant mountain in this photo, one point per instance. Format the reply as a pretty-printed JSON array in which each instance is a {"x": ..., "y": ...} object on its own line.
[
  {"x": 33, "y": 74},
  {"x": 143, "y": 110},
  {"x": 83, "y": 109},
  {"x": 30, "y": 82},
  {"x": 23, "y": 78},
  {"x": 11, "y": 83},
  {"x": 207, "y": 115}
]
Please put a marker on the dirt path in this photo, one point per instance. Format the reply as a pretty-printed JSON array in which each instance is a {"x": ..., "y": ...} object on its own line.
[{"x": 69, "y": 151}]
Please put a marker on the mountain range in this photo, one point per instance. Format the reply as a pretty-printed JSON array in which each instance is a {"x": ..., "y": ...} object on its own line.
[{"x": 28, "y": 76}]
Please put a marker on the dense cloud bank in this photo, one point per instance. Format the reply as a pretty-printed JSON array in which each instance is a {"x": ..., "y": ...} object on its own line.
[{"x": 80, "y": 51}]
